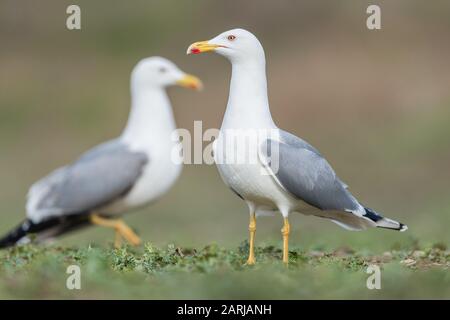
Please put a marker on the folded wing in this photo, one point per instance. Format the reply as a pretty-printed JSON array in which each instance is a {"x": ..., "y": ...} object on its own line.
[
  {"x": 303, "y": 172},
  {"x": 97, "y": 178}
]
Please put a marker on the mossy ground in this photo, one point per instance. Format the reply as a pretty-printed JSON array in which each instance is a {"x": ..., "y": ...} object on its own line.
[{"x": 216, "y": 272}]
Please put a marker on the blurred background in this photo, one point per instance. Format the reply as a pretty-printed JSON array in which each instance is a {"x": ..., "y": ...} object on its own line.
[{"x": 376, "y": 103}]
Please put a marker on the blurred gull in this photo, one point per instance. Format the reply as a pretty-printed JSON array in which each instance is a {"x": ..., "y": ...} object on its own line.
[
  {"x": 303, "y": 180},
  {"x": 117, "y": 176}
]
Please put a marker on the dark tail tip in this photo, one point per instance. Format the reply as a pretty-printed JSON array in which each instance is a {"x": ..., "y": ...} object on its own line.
[
  {"x": 49, "y": 228},
  {"x": 15, "y": 235},
  {"x": 383, "y": 222}
]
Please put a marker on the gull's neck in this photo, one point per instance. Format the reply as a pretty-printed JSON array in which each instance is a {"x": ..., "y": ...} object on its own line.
[
  {"x": 248, "y": 105},
  {"x": 151, "y": 121}
]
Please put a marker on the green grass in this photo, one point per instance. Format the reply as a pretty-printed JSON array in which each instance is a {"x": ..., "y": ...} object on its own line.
[{"x": 215, "y": 272}]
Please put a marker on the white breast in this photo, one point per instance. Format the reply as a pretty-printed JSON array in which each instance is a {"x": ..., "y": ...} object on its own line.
[{"x": 251, "y": 180}]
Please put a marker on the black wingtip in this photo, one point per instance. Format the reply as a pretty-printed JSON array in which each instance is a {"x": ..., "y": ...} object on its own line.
[
  {"x": 384, "y": 223},
  {"x": 44, "y": 229},
  {"x": 15, "y": 235},
  {"x": 372, "y": 215}
]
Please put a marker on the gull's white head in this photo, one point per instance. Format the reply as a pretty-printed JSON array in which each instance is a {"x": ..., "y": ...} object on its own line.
[
  {"x": 236, "y": 45},
  {"x": 158, "y": 72}
]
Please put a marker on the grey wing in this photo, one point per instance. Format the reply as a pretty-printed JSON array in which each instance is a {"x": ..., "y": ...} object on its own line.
[
  {"x": 98, "y": 177},
  {"x": 304, "y": 173}
]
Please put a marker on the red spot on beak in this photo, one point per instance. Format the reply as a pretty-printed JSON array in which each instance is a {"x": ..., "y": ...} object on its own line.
[{"x": 195, "y": 50}]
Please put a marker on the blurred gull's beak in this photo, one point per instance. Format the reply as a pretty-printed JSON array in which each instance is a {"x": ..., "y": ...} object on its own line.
[
  {"x": 190, "y": 82},
  {"x": 202, "y": 46}
]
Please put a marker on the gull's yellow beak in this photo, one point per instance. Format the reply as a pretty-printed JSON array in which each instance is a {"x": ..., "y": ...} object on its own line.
[
  {"x": 191, "y": 82},
  {"x": 201, "y": 46}
]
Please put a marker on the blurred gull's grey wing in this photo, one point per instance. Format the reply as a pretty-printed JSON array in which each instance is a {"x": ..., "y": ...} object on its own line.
[
  {"x": 303, "y": 172},
  {"x": 97, "y": 178}
]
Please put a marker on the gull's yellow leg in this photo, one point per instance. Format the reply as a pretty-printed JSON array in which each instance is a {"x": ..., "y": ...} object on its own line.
[
  {"x": 126, "y": 232},
  {"x": 252, "y": 230},
  {"x": 117, "y": 240},
  {"x": 285, "y": 232},
  {"x": 121, "y": 228}
]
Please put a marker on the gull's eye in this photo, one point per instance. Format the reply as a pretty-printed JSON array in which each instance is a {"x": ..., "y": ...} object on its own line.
[
  {"x": 162, "y": 70},
  {"x": 231, "y": 37}
]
